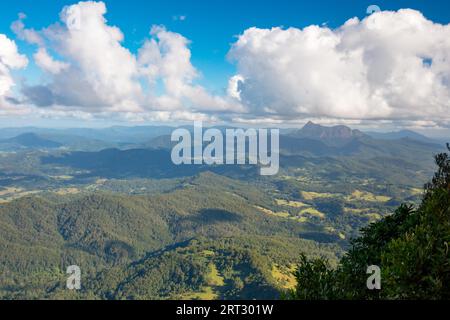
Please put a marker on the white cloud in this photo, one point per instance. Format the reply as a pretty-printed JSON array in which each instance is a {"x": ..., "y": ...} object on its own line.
[
  {"x": 166, "y": 56},
  {"x": 98, "y": 74},
  {"x": 29, "y": 35},
  {"x": 9, "y": 59},
  {"x": 47, "y": 63},
  {"x": 391, "y": 65},
  {"x": 102, "y": 70}
]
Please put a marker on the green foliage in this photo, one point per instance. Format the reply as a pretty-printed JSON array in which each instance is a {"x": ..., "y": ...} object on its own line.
[
  {"x": 411, "y": 247},
  {"x": 315, "y": 278},
  {"x": 136, "y": 235},
  {"x": 156, "y": 246}
]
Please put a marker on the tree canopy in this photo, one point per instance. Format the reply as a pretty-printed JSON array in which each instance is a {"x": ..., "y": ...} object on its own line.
[{"x": 411, "y": 247}]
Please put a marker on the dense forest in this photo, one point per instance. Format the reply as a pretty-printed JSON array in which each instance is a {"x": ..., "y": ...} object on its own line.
[
  {"x": 140, "y": 228},
  {"x": 411, "y": 247},
  {"x": 204, "y": 240}
]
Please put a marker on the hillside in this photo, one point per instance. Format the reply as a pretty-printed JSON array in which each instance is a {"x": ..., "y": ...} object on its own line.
[
  {"x": 28, "y": 140},
  {"x": 99, "y": 231},
  {"x": 143, "y": 228},
  {"x": 410, "y": 247}
]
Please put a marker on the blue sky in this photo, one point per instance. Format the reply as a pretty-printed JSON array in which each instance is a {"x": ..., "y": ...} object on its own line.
[{"x": 212, "y": 27}]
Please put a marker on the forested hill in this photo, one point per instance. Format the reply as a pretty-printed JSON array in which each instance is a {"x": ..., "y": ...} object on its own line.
[
  {"x": 411, "y": 247},
  {"x": 205, "y": 239},
  {"x": 140, "y": 227}
]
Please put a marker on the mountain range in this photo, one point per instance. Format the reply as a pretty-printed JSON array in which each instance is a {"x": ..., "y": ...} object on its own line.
[
  {"x": 29, "y": 140},
  {"x": 111, "y": 201},
  {"x": 148, "y": 136}
]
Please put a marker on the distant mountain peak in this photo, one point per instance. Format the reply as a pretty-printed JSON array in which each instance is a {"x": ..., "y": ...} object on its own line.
[
  {"x": 27, "y": 135},
  {"x": 317, "y": 131},
  {"x": 32, "y": 140}
]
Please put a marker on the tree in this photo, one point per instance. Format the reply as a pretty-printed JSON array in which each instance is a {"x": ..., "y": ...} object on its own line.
[{"x": 411, "y": 247}]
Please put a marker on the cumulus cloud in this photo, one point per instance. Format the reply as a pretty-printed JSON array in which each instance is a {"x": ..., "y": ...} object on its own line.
[
  {"x": 29, "y": 35},
  {"x": 166, "y": 56},
  {"x": 391, "y": 65},
  {"x": 47, "y": 63},
  {"x": 9, "y": 59},
  {"x": 98, "y": 74}
]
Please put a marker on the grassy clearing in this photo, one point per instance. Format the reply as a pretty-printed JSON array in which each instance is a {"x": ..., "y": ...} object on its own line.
[
  {"x": 307, "y": 195},
  {"x": 272, "y": 213},
  {"x": 62, "y": 177},
  {"x": 312, "y": 212},
  {"x": 213, "y": 278},
  {"x": 101, "y": 181},
  {"x": 302, "y": 215},
  {"x": 288, "y": 203},
  {"x": 67, "y": 191},
  {"x": 302, "y": 179},
  {"x": 367, "y": 212},
  {"x": 210, "y": 291},
  {"x": 359, "y": 195},
  {"x": 207, "y": 293},
  {"x": 416, "y": 191},
  {"x": 333, "y": 230},
  {"x": 15, "y": 193},
  {"x": 208, "y": 253},
  {"x": 10, "y": 190},
  {"x": 284, "y": 276},
  {"x": 300, "y": 219},
  {"x": 374, "y": 216}
]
